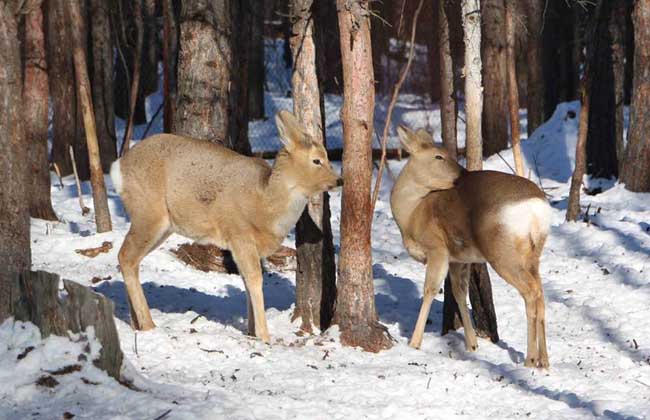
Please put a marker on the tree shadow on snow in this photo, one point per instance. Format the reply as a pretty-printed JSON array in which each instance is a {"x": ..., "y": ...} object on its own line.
[{"x": 229, "y": 309}]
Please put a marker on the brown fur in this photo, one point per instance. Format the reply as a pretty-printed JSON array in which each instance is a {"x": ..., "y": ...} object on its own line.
[
  {"x": 448, "y": 215},
  {"x": 173, "y": 184}
]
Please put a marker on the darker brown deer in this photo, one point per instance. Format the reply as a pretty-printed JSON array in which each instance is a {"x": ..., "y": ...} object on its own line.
[
  {"x": 206, "y": 192},
  {"x": 449, "y": 217}
]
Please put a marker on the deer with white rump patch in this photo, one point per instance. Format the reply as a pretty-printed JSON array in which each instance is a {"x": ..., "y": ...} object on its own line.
[
  {"x": 206, "y": 192},
  {"x": 450, "y": 217}
]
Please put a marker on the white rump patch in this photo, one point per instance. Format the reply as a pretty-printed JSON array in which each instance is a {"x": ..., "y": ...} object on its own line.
[
  {"x": 116, "y": 176},
  {"x": 526, "y": 218}
]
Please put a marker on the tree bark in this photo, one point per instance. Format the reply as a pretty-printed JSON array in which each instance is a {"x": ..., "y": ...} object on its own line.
[
  {"x": 617, "y": 28},
  {"x": 380, "y": 39},
  {"x": 149, "y": 66},
  {"x": 636, "y": 170},
  {"x": 332, "y": 70},
  {"x": 256, "y": 71},
  {"x": 15, "y": 253},
  {"x": 100, "y": 202},
  {"x": 170, "y": 57},
  {"x": 135, "y": 88},
  {"x": 101, "y": 72},
  {"x": 355, "y": 308},
  {"x": 495, "y": 126},
  {"x": 448, "y": 106},
  {"x": 513, "y": 89},
  {"x": 204, "y": 67},
  {"x": 316, "y": 273},
  {"x": 35, "y": 96},
  {"x": 241, "y": 40},
  {"x": 534, "y": 60}
]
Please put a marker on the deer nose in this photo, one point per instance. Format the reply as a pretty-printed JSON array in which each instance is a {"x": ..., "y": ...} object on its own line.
[{"x": 339, "y": 182}]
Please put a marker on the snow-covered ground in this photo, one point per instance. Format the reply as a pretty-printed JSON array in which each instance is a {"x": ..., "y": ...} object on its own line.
[{"x": 199, "y": 364}]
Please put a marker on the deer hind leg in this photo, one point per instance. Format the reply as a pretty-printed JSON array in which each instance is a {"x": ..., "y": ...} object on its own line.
[
  {"x": 248, "y": 262},
  {"x": 459, "y": 284},
  {"x": 541, "y": 324},
  {"x": 144, "y": 236},
  {"x": 437, "y": 268}
]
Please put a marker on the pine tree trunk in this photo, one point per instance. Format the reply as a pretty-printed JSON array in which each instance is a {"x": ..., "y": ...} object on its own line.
[
  {"x": 513, "y": 89},
  {"x": 256, "y": 72},
  {"x": 316, "y": 273},
  {"x": 241, "y": 40},
  {"x": 135, "y": 90},
  {"x": 636, "y": 170},
  {"x": 149, "y": 76},
  {"x": 15, "y": 253},
  {"x": 101, "y": 72},
  {"x": 573, "y": 206},
  {"x": 534, "y": 60},
  {"x": 204, "y": 66},
  {"x": 617, "y": 34},
  {"x": 355, "y": 308},
  {"x": 332, "y": 66},
  {"x": 35, "y": 96},
  {"x": 495, "y": 126},
  {"x": 74, "y": 25},
  {"x": 380, "y": 39},
  {"x": 170, "y": 57}
]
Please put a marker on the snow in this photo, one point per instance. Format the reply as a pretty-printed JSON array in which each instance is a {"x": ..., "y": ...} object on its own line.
[{"x": 199, "y": 363}]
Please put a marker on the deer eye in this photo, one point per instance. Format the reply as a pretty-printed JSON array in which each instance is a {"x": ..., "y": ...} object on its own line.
[
  {"x": 439, "y": 157},
  {"x": 316, "y": 161}
]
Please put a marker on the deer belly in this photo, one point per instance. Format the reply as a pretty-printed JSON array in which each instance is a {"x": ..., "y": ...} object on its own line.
[{"x": 461, "y": 251}]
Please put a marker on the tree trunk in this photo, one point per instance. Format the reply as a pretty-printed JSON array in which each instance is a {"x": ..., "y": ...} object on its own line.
[
  {"x": 149, "y": 65},
  {"x": 36, "y": 94},
  {"x": 15, "y": 253},
  {"x": 355, "y": 308},
  {"x": 380, "y": 38},
  {"x": 601, "y": 134},
  {"x": 241, "y": 40},
  {"x": 316, "y": 273},
  {"x": 617, "y": 27},
  {"x": 535, "y": 85},
  {"x": 170, "y": 57},
  {"x": 100, "y": 202},
  {"x": 256, "y": 72},
  {"x": 513, "y": 89},
  {"x": 332, "y": 71},
  {"x": 101, "y": 72},
  {"x": 135, "y": 88},
  {"x": 434, "y": 55},
  {"x": 636, "y": 170},
  {"x": 495, "y": 126},
  {"x": 204, "y": 67}
]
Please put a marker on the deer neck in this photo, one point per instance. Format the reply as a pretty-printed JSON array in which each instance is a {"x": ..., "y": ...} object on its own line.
[
  {"x": 405, "y": 197},
  {"x": 283, "y": 198}
]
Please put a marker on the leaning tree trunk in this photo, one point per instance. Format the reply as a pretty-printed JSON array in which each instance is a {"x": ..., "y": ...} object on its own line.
[
  {"x": 256, "y": 72},
  {"x": 204, "y": 67},
  {"x": 15, "y": 254},
  {"x": 480, "y": 289},
  {"x": 36, "y": 94},
  {"x": 100, "y": 202},
  {"x": 316, "y": 273},
  {"x": 355, "y": 308},
  {"x": 495, "y": 126},
  {"x": 535, "y": 85},
  {"x": 102, "y": 80},
  {"x": 636, "y": 169}
]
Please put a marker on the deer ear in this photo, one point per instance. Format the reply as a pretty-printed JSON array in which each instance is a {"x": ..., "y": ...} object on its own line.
[
  {"x": 424, "y": 136},
  {"x": 291, "y": 132},
  {"x": 411, "y": 142}
]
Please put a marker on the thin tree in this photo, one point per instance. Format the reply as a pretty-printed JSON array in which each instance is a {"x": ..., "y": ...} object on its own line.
[
  {"x": 170, "y": 56},
  {"x": 495, "y": 92},
  {"x": 204, "y": 67},
  {"x": 636, "y": 170},
  {"x": 355, "y": 308},
  {"x": 535, "y": 85},
  {"x": 513, "y": 89},
  {"x": 102, "y": 215},
  {"x": 316, "y": 274},
  {"x": 15, "y": 254},
  {"x": 35, "y": 96}
]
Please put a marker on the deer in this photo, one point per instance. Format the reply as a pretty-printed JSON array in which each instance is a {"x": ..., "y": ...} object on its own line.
[
  {"x": 449, "y": 217},
  {"x": 213, "y": 195}
]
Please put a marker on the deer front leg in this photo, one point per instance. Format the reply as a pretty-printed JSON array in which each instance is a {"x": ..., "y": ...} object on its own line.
[
  {"x": 248, "y": 262},
  {"x": 459, "y": 283},
  {"x": 437, "y": 267}
]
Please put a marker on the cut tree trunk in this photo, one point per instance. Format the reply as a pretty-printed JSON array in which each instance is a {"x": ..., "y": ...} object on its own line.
[
  {"x": 204, "y": 66},
  {"x": 15, "y": 253},
  {"x": 535, "y": 86},
  {"x": 355, "y": 307},
  {"x": 35, "y": 298},
  {"x": 35, "y": 96},
  {"x": 513, "y": 88},
  {"x": 100, "y": 202},
  {"x": 101, "y": 75},
  {"x": 256, "y": 73},
  {"x": 495, "y": 82},
  {"x": 316, "y": 274},
  {"x": 636, "y": 170}
]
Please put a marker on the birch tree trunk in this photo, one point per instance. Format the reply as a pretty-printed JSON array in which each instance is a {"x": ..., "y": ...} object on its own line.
[
  {"x": 355, "y": 308},
  {"x": 316, "y": 273},
  {"x": 35, "y": 96}
]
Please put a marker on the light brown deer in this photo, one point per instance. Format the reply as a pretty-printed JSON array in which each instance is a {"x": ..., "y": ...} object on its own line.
[
  {"x": 206, "y": 192},
  {"x": 449, "y": 217}
]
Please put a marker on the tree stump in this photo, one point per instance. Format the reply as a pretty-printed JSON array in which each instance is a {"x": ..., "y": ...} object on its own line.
[{"x": 35, "y": 298}]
